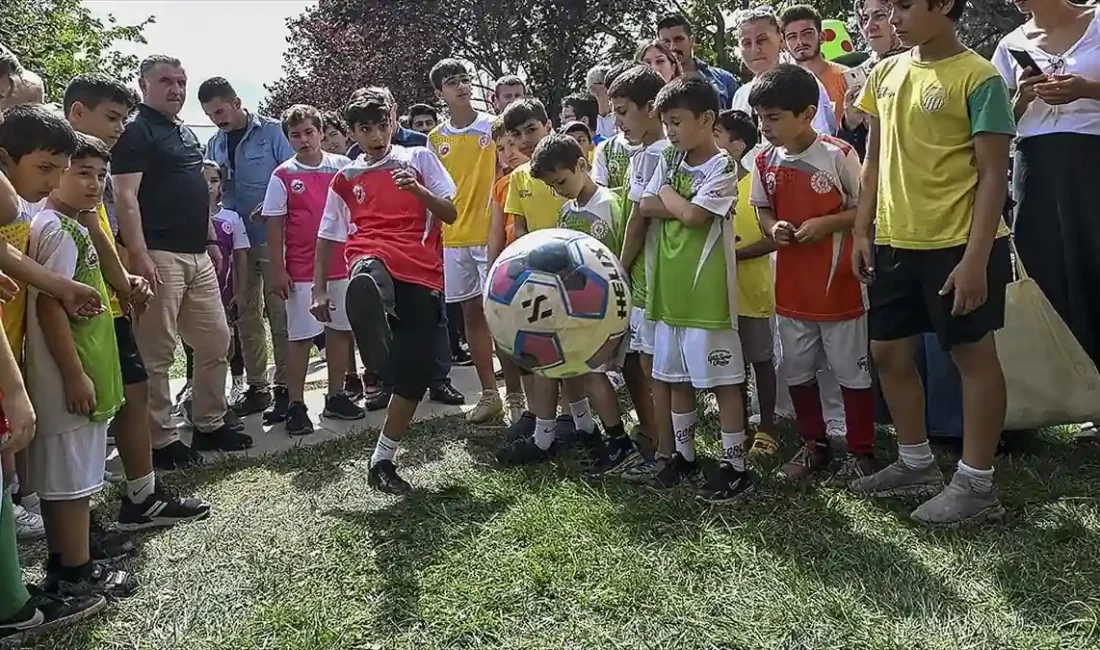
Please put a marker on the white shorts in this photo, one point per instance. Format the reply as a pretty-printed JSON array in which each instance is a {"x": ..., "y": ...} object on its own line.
[
  {"x": 641, "y": 331},
  {"x": 464, "y": 272},
  {"x": 68, "y": 466},
  {"x": 702, "y": 358},
  {"x": 300, "y": 323},
  {"x": 810, "y": 346}
]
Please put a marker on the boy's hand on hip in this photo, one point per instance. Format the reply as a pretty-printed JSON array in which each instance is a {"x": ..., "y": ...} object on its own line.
[
  {"x": 21, "y": 419},
  {"x": 80, "y": 394},
  {"x": 968, "y": 282}
]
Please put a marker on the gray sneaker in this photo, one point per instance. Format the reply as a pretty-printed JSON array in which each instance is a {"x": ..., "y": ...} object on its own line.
[
  {"x": 898, "y": 480},
  {"x": 958, "y": 505}
]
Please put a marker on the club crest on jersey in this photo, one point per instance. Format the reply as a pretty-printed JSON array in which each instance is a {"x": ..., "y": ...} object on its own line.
[
  {"x": 484, "y": 141},
  {"x": 822, "y": 182},
  {"x": 769, "y": 182},
  {"x": 360, "y": 195},
  {"x": 444, "y": 149},
  {"x": 91, "y": 260},
  {"x": 297, "y": 186},
  {"x": 227, "y": 228},
  {"x": 600, "y": 229}
]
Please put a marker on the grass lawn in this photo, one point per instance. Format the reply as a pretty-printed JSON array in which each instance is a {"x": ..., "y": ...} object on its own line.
[{"x": 302, "y": 555}]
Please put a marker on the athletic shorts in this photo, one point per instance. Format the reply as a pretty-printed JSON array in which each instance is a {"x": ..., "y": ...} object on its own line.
[
  {"x": 702, "y": 358},
  {"x": 757, "y": 339},
  {"x": 905, "y": 296},
  {"x": 300, "y": 323},
  {"x": 68, "y": 466},
  {"x": 641, "y": 331},
  {"x": 129, "y": 357},
  {"x": 464, "y": 272},
  {"x": 810, "y": 346}
]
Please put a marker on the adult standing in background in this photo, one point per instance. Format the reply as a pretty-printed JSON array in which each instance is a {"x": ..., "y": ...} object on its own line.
[
  {"x": 161, "y": 203},
  {"x": 1057, "y": 109},
  {"x": 874, "y": 24},
  {"x": 249, "y": 147},
  {"x": 17, "y": 84},
  {"x": 506, "y": 90},
  {"x": 675, "y": 31},
  {"x": 802, "y": 32}
]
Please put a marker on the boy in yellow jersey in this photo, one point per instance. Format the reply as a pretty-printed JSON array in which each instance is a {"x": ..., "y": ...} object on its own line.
[
  {"x": 934, "y": 184},
  {"x": 531, "y": 204},
  {"x": 465, "y": 145}
]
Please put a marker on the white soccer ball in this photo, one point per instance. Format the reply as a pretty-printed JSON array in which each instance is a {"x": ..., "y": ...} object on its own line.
[{"x": 557, "y": 302}]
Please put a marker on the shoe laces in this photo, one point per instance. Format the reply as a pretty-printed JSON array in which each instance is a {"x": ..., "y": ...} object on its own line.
[
  {"x": 488, "y": 399},
  {"x": 852, "y": 468},
  {"x": 805, "y": 455}
]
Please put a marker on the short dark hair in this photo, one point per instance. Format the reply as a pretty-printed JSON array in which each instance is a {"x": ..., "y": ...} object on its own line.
[
  {"x": 423, "y": 109},
  {"x": 957, "y": 10},
  {"x": 334, "y": 120},
  {"x": 9, "y": 63},
  {"x": 299, "y": 113},
  {"x": 509, "y": 80},
  {"x": 640, "y": 84},
  {"x": 740, "y": 126},
  {"x": 368, "y": 106},
  {"x": 691, "y": 93},
  {"x": 88, "y": 146},
  {"x": 677, "y": 69},
  {"x": 554, "y": 153},
  {"x": 153, "y": 60},
  {"x": 444, "y": 69},
  {"x": 94, "y": 89},
  {"x": 799, "y": 12},
  {"x": 575, "y": 126},
  {"x": 585, "y": 108},
  {"x": 669, "y": 21},
  {"x": 33, "y": 127},
  {"x": 216, "y": 88},
  {"x": 614, "y": 71},
  {"x": 522, "y": 111},
  {"x": 786, "y": 87}
]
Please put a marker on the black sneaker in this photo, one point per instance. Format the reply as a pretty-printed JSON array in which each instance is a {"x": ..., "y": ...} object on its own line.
[
  {"x": 108, "y": 545},
  {"x": 279, "y": 410},
  {"x": 297, "y": 420},
  {"x": 675, "y": 471},
  {"x": 353, "y": 386},
  {"x": 525, "y": 452},
  {"x": 384, "y": 478},
  {"x": 162, "y": 509},
  {"x": 728, "y": 485},
  {"x": 461, "y": 357},
  {"x": 367, "y": 315},
  {"x": 234, "y": 421},
  {"x": 590, "y": 444},
  {"x": 564, "y": 428},
  {"x": 254, "y": 400},
  {"x": 223, "y": 439},
  {"x": 341, "y": 407},
  {"x": 45, "y": 612},
  {"x": 618, "y": 455},
  {"x": 378, "y": 401},
  {"x": 176, "y": 456},
  {"x": 94, "y": 578},
  {"x": 522, "y": 428},
  {"x": 444, "y": 392}
]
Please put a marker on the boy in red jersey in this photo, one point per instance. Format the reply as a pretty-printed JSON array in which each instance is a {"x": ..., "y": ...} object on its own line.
[{"x": 386, "y": 207}]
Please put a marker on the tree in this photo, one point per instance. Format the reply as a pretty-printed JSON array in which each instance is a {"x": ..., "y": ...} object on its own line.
[{"x": 59, "y": 39}]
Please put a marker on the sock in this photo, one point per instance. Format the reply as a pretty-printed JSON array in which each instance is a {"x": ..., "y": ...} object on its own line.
[
  {"x": 616, "y": 431},
  {"x": 980, "y": 479},
  {"x": 31, "y": 502},
  {"x": 859, "y": 419},
  {"x": 545, "y": 431},
  {"x": 916, "y": 456},
  {"x": 140, "y": 489},
  {"x": 683, "y": 426},
  {"x": 386, "y": 449},
  {"x": 733, "y": 450},
  {"x": 582, "y": 416},
  {"x": 808, "y": 413}
]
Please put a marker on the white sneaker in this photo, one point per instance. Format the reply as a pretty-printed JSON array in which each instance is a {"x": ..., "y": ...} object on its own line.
[
  {"x": 836, "y": 429},
  {"x": 113, "y": 471},
  {"x": 236, "y": 389},
  {"x": 616, "y": 379},
  {"x": 28, "y": 525},
  {"x": 516, "y": 404},
  {"x": 323, "y": 355}
]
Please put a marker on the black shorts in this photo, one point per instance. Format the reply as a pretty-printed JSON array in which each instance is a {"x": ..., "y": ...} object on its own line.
[
  {"x": 905, "y": 296},
  {"x": 129, "y": 357}
]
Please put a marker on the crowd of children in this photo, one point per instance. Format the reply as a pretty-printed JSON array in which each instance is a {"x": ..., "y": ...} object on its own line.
[{"x": 743, "y": 232}]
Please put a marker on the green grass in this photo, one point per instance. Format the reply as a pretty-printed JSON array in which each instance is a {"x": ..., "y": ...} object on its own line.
[{"x": 302, "y": 555}]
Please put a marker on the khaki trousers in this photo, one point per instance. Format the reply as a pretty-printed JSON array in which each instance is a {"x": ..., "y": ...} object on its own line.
[{"x": 260, "y": 300}]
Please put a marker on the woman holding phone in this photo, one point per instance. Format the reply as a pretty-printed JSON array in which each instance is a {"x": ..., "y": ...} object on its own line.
[{"x": 1052, "y": 65}]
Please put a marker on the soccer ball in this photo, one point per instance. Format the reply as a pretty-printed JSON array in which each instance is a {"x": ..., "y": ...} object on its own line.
[{"x": 557, "y": 303}]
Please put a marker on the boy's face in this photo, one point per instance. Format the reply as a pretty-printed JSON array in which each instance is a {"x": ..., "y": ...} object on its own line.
[
  {"x": 373, "y": 137},
  {"x": 456, "y": 90},
  {"x": 505, "y": 95},
  {"x": 568, "y": 183},
  {"x": 334, "y": 141},
  {"x": 305, "y": 138},
  {"x": 760, "y": 43},
  {"x": 632, "y": 120},
  {"x": 508, "y": 152},
  {"x": 529, "y": 134},
  {"x": 213, "y": 182},
  {"x": 780, "y": 127},
  {"x": 803, "y": 40},
  {"x": 583, "y": 140},
  {"x": 36, "y": 174},
  {"x": 686, "y": 130},
  {"x": 730, "y": 143},
  {"x": 919, "y": 21},
  {"x": 82, "y": 183},
  {"x": 105, "y": 121},
  {"x": 422, "y": 123}
]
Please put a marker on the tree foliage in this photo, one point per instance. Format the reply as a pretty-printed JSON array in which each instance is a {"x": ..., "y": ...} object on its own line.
[{"x": 59, "y": 39}]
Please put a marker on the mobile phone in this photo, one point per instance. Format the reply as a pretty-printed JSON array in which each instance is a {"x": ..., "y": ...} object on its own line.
[
  {"x": 1025, "y": 61},
  {"x": 855, "y": 77}
]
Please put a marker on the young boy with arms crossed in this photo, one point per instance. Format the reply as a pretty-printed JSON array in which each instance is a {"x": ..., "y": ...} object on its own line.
[
  {"x": 693, "y": 293},
  {"x": 934, "y": 183},
  {"x": 736, "y": 134},
  {"x": 805, "y": 188},
  {"x": 385, "y": 208},
  {"x": 293, "y": 207},
  {"x": 464, "y": 144}
]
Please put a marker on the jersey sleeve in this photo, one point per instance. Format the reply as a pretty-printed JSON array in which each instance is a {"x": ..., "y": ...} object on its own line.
[
  {"x": 433, "y": 175},
  {"x": 600, "y": 174},
  {"x": 336, "y": 218},
  {"x": 53, "y": 248},
  {"x": 758, "y": 192},
  {"x": 718, "y": 191},
  {"x": 275, "y": 198},
  {"x": 657, "y": 179},
  {"x": 991, "y": 108},
  {"x": 868, "y": 97},
  {"x": 513, "y": 203},
  {"x": 240, "y": 233}
]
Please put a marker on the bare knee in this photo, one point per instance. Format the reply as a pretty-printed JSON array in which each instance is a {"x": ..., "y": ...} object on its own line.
[
  {"x": 894, "y": 358},
  {"x": 979, "y": 358}
]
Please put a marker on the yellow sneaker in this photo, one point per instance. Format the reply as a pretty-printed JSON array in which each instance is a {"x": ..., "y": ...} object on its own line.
[
  {"x": 764, "y": 445},
  {"x": 489, "y": 406}
]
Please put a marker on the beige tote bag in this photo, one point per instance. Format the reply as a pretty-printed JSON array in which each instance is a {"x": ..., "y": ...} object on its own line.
[{"x": 1050, "y": 379}]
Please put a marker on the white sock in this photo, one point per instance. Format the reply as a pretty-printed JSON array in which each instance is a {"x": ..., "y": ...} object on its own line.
[
  {"x": 916, "y": 456},
  {"x": 980, "y": 479},
  {"x": 582, "y": 416},
  {"x": 545, "y": 430},
  {"x": 733, "y": 450},
  {"x": 140, "y": 489},
  {"x": 31, "y": 502},
  {"x": 683, "y": 426},
  {"x": 386, "y": 449}
]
